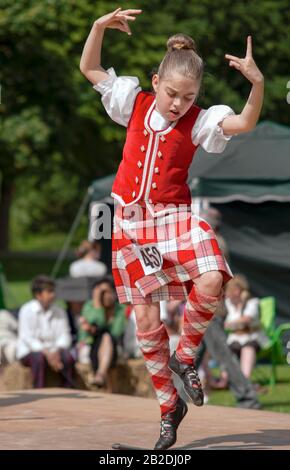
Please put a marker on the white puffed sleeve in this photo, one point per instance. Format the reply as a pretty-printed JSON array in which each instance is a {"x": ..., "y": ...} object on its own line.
[
  {"x": 118, "y": 96},
  {"x": 206, "y": 130}
]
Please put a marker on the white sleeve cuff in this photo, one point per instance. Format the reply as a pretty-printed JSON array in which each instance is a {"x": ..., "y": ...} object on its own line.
[
  {"x": 118, "y": 96},
  {"x": 207, "y": 131},
  {"x": 104, "y": 85}
]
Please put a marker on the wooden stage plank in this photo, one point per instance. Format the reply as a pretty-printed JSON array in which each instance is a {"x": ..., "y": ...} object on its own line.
[{"x": 76, "y": 419}]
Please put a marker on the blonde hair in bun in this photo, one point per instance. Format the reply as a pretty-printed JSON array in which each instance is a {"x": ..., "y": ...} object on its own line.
[
  {"x": 181, "y": 57},
  {"x": 180, "y": 41}
]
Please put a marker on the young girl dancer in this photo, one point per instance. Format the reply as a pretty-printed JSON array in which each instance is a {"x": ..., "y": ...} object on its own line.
[{"x": 178, "y": 257}]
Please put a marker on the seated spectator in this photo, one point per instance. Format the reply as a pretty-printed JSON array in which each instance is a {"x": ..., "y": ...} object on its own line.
[
  {"x": 242, "y": 320},
  {"x": 8, "y": 337},
  {"x": 88, "y": 265},
  {"x": 102, "y": 325},
  {"x": 44, "y": 338}
]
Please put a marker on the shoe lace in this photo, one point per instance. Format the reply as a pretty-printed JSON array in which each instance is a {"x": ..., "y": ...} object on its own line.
[
  {"x": 193, "y": 377},
  {"x": 165, "y": 427}
]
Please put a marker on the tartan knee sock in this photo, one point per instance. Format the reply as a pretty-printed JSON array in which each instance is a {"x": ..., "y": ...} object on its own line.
[
  {"x": 198, "y": 312},
  {"x": 155, "y": 348}
]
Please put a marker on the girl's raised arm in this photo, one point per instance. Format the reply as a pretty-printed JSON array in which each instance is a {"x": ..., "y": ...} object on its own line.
[
  {"x": 246, "y": 121},
  {"x": 90, "y": 64}
]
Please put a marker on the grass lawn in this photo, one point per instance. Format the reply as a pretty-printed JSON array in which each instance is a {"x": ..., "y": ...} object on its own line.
[
  {"x": 20, "y": 270},
  {"x": 275, "y": 398},
  {"x": 18, "y": 293}
]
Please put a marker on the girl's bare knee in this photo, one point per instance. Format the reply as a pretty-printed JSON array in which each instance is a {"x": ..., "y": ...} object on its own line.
[
  {"x": 147, "y": 316},
  {"x": 210, "y": 283}
]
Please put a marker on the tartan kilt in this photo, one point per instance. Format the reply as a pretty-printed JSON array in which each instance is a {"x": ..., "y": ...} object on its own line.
[{"x": 188, "y": 245}]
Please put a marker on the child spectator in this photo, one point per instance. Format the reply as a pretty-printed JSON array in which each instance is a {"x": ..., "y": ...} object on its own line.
[{"x": 44, "y": 338}]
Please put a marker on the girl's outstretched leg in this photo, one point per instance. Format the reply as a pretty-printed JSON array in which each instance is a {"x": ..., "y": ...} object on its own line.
[{"x": 201, "y": 305}]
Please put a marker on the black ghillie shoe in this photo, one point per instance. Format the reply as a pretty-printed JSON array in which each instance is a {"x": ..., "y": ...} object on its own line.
[
  {"x": 169, "y": 424},
  {"x": 190, "y": 379}
]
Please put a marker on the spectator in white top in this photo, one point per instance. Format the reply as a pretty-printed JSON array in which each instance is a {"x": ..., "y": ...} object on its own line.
[
  {"x": 8, "y": 337},
  {"x": 242, "y": 320},
  {"x": 88, "y": 265},
  {"x": 44, "y": 337}
]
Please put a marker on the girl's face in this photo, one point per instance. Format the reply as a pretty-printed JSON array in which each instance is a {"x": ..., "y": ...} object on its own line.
[{"x": 174, "y": 95}]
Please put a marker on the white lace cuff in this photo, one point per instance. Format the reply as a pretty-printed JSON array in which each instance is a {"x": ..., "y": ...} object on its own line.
[
  {"x": 118, "y": 95},
  {"x": 207, "y": 131}
]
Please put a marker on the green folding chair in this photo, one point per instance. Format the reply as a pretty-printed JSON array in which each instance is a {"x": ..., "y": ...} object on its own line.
[{"x": 273, "y": 350}]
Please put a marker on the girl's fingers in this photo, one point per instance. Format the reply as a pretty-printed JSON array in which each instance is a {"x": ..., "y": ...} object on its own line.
[
  {"x": 120, "y": 19},
  {"x": 121, "y": 26},
  {"x": 125, "y": 26},
  {"x": 126, "y": 17},
  {"x": 234, "y": 64},
  {"x": 233, "y": 57},
  {"x": 130, "y": 12},
  {"x": 130, "y": 18},
  {"x": 116, "y": 11},
  {"x": 249, "y": 46}
]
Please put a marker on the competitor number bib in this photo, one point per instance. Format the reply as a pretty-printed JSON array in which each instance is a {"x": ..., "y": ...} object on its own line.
[{"x": 150, "y": 257}]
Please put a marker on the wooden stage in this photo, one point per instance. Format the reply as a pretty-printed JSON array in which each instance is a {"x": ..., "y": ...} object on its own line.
[{"x": 76, "y": 419}]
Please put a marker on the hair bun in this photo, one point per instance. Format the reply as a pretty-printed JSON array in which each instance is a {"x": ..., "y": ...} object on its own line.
[{"x": 180, "y": 41}]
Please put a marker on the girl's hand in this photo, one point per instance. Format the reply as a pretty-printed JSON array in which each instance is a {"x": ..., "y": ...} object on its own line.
[
  {"x": 247, "y": 65},
  {"x": 118, "y": 19}
]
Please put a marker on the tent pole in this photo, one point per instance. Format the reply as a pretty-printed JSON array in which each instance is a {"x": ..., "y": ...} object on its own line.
[{"x": 67, "y": 242}]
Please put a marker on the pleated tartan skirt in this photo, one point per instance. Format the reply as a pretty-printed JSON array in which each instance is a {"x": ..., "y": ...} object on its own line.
[{"x": 157, "y": 258}]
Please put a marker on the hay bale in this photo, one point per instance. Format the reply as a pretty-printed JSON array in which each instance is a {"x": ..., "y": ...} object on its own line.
[
  {"x": 129, "y": 377},
  {"x": 15, "y": 377}
]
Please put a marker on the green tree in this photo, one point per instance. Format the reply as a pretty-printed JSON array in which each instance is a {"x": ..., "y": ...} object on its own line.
[{"x": 55, "y": 136}]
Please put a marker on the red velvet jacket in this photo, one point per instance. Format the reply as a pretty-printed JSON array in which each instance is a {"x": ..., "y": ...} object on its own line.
[{"x": 154, "y": 168}]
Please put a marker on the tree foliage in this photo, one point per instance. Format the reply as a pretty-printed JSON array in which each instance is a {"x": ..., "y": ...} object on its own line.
[{"x": 55, "y": 136}]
